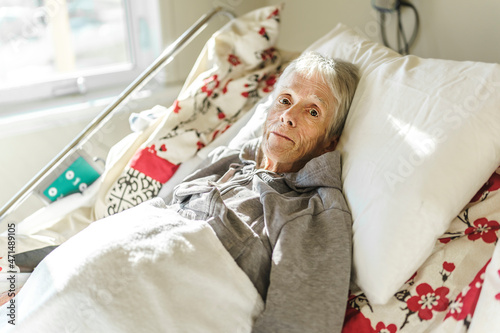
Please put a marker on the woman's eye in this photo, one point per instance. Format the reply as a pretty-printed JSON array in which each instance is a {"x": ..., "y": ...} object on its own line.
[
  {"x": 313, "y": 113},
  {"x": 284, "y": 100}
]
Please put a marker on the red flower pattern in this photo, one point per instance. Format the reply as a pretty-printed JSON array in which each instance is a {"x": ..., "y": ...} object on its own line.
[
  {"x": 270, "y": 84},
  {"x": 224, "y": 90},
  {"x": 263, "y": 33},
  {"x": 355, "y": 321},
  {"x": 215, "y": 134},
  {"x": 428, "y": 300},
  {"x": 200, "y": 145},
  {"x": 233, "y": 60},
  {"x": 176, "y": 106},
  {"x": 497, "y": 296},
  {"x": 484, "y": 229},
  {"x": 210, "y": 84},
  {"x": 268, "y": 54},
  {"x": 448, "y": 266},
  {"x": 274, "y": 14},
  {"x": 456, "y": 308},
  {"x": 445, "y": 240},
  {"x": 464, "y": 305},
  {"x": 382, "y": 328}
]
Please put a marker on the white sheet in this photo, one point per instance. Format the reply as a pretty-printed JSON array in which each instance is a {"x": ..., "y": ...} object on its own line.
[{"x": 143, "y": 270}]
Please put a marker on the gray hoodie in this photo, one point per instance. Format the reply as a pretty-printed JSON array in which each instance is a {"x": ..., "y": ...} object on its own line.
[{"x": 290, "y": 233}]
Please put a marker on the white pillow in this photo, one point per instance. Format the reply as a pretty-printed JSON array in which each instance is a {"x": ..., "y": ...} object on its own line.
[
  {"x": 255, "y": 123},
  {"x": 421, "y": 138}
]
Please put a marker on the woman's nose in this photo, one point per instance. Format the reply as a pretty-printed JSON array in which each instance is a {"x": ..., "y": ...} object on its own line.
[{"x": 289, "y": 117}]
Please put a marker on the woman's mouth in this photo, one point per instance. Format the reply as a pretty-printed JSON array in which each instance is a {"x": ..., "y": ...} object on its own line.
[{"x": 282, "y": 136}]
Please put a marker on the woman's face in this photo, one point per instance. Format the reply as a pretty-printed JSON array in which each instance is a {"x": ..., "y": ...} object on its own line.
[{"x": 297, "y": 123}]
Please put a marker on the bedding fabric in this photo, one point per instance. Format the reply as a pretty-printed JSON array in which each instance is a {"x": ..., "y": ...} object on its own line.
[
  {"x": 238, "y": 66},
  {"x": 456, "y": 290},
  {"x": 133, "y": 272},
  {"x": 488, "y": 306}
]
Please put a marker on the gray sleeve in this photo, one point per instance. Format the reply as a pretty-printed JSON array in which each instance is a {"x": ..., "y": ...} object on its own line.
[
  {"x": 309, "y": 276},
  {"x": 27, "y": 261}
]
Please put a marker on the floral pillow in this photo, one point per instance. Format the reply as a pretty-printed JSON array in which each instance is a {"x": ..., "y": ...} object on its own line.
[
  {"x": 441, "y": 296},
  {"x": 237, "y": 67}
]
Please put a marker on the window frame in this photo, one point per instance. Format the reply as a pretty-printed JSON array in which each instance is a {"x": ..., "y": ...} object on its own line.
[{"x": 87, "y": 85}]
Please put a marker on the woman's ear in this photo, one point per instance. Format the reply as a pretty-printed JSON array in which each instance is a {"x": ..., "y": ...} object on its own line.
[{"x": 331, "y": 144}]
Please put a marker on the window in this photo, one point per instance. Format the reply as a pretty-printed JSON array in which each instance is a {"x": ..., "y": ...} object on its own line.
[{"x": 54, "y": 48}]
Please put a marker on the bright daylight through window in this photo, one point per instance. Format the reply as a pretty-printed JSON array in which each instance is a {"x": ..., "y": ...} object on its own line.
[{"x": 53, "y": 48}]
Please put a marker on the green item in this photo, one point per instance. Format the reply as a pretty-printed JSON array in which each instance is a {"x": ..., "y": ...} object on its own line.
[{"x": 75, "y": 178}]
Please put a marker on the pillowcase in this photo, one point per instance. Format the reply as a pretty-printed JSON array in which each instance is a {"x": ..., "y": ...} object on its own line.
[
  {"x": 421, "y": 138},
  {"x": 255, "y": 124}
]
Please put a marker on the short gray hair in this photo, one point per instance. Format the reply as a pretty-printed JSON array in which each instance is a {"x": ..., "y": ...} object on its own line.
[{"x": 340, "y": 76}]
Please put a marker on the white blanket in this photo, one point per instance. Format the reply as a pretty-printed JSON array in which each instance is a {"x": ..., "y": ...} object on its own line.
[{"x": 143, "y": 270}]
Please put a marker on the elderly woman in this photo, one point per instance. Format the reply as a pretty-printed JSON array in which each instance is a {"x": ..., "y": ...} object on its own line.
[{"x": 277, "y": 205}]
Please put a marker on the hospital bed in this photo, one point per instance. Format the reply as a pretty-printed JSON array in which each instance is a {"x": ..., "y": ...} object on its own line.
[{"x": 421, "y": 157}]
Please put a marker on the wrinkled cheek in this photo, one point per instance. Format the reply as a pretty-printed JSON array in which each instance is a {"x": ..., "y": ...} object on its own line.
[{"x": 273, "y": 147}]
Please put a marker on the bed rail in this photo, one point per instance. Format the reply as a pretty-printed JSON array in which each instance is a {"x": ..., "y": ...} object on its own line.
[{"x": 159, "y": 63}]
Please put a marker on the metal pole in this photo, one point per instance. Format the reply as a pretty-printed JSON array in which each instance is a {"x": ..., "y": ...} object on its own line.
[{"x": 166, "y": 56}]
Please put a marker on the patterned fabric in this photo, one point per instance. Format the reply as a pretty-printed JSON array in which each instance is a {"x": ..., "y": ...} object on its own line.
[
  {"x": 486, "y": 317},
  {"x": 442, "y": 295},
  {"x": 237, "y": 67}
]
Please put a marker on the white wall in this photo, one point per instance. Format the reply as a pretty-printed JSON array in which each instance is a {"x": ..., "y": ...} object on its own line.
[
  {"x": 177, "y": 16},
  {"x": 449, "y": 29},
  {"x": 305, "y": 21},
  {"x": 459, "y": 30}
]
